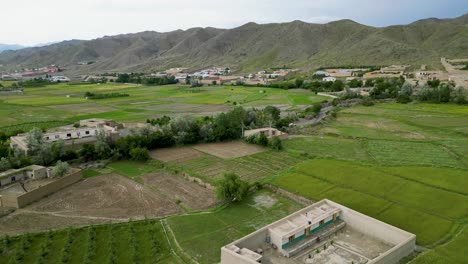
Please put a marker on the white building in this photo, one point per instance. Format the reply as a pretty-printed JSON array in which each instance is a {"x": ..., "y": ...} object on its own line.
[
  {"x": 324, "y": 232},
  {"x": 269, "y": 132},
  {"x": 85, "y": 133},
  {"x": 329, "y": 79},
  {"x": 59, "y": 79}
]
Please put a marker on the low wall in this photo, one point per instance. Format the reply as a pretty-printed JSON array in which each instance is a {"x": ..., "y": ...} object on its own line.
[
  {"x": 290, "y": 195},
  {"x": 36, "y": 194},
  {"x": 9, "y": 201},
  {"x": 403, "y": 242}
]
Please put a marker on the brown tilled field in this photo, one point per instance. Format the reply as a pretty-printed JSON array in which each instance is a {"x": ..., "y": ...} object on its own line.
[
  {"x": 175, "y": 154},
  {"x": 189, "y": 193},
  {"x": 229, "y": 150},
  {"x": 109, "y": 196},
  {"x": 93, "y": 200}
]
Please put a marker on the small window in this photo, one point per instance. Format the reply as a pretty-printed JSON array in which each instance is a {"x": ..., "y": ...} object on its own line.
[
  {"x": 68, "y": 134},
  {"x": 13, "y": 178},
  {"x": 87, "y": 132},
  {"x": 291, "y": 238},
  {"x": 47, "y": 138},
  {"x": 57, "y": 136},
  {"x": 321, "y": 222}
]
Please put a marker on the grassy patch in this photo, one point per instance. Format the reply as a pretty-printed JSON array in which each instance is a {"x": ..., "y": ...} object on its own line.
[
  {"x": 131, "y": 169},
  {"x": 452, "y": 252},
  {"x": 88, "y": 173},
  {"x": 373, "y": 191},
  {"x": 203, "y": 235},
  {"x": 407, "y": 153}
]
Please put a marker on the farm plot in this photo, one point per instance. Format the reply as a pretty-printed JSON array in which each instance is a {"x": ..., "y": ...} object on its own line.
[
  {"x": 99, "y": 199},
  {"x": 229, "y": 150},
  {"x": 411, "y": 153},
  {"x": 202, "y": 235},
  {"x": 134, "y": 242},
  {"x": 452, "y": 252},
  {"x": 383, "y": 195},
  {"x": 176, "y": 154},
  {"x": 252, "y": 168},
  {"x": 188, "y": 193},
  {"x": 333, "y": 147},
  {"x": 62, "y": 102}
]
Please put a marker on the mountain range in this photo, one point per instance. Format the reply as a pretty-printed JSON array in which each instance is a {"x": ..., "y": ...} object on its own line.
[
  {"x": 4, "y": 47},
  {"x": 256, "y": 46}
]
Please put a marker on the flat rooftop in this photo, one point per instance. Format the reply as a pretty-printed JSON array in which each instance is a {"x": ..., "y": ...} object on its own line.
[
  {"x": 349, "y": 246},
  {"x": 353, "y": 238},
  {"x": 313, "y": 214}
]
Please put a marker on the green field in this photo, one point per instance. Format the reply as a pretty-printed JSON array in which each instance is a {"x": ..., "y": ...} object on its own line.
[
  {"x": 252, "y": 168},
  {"x": 135, "y": 242},
  {"x": 406, "y": 165},
  {"x": 389, "y": 197},
  {"x": 201, "y": 236},
  {"x": 66, "y": 103}
]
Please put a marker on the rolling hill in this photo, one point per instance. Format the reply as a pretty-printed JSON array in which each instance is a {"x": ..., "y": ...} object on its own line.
[
  {"x": 255, "y": 46},
  {"x": 4, "y": 47}
]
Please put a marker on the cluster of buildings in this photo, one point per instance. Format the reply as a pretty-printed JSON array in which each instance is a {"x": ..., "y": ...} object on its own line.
[
  {"x": 324, "y": 232},
  {"x": 29, "y": 73},
  {"x": 74, "y": 136},
  {"x": 222, "y": 75}
]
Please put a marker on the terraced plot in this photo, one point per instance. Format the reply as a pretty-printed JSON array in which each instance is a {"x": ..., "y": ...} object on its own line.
[
  {"x": 253, "y": 167},
  {"x": 386, "y": 193}
]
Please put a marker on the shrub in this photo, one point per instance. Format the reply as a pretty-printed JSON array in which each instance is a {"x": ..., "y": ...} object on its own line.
[
  {"x": 139, "y": 154},
  {"x": 276, "y": 144},
  {"x": 367, "y": 102},
  {"x": 232, "y": 188},
  {"x": 60, "y": 169},
  {"x": 261, "y": 140}
]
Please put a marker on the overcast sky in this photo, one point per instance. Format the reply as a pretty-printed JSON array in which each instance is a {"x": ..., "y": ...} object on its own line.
[{"x": 30, "y": 22}]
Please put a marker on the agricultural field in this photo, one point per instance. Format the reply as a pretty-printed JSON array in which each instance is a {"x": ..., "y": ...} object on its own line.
[
  {"x": 134, "y": 242},
  {"x": 406, "y": 165},
  {"x": 254, "y": 166},
  {"x": 389, "y": 197},
  {"x": 66, "y": 103},
  {"x": 198, "y": 235},
  {"x": 121, "y": 191},
  {"x": 202, "y": 235}
]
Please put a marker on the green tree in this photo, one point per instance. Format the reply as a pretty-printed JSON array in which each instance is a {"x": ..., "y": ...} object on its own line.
[
  {"x": 232, "y": 188},
  {"x": 276, "y": 143},
  {"x": 88, "y": 152},
  {"x": 60, "y": 169},
  {"x": 139, "y": 154},
  {"x": 102, "y": 147},
  {"x": 4, "y": 164},
  {"x": 337, "y": 86},
  {"x": 299, "y": 83},
  {"x": 272, "y": 113},
  {"x": 34, "y": 140},
  {"x": 261, "y": 140},
  {"x": 459, "y": 96}
]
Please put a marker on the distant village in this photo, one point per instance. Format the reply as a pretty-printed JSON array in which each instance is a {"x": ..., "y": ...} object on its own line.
[{"x": 455, "y": 71}]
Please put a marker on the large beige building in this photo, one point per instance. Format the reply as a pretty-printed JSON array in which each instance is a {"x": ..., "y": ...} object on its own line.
[
  {"x": 324, "y": 232},
  {"x": 72, "y": 136}
]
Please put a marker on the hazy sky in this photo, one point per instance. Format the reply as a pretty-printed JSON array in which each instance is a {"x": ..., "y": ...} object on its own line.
[{"x": 30, "y": 22}]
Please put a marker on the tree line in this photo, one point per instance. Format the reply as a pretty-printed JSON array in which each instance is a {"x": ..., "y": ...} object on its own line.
[{"x": 158, "y": 133}]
